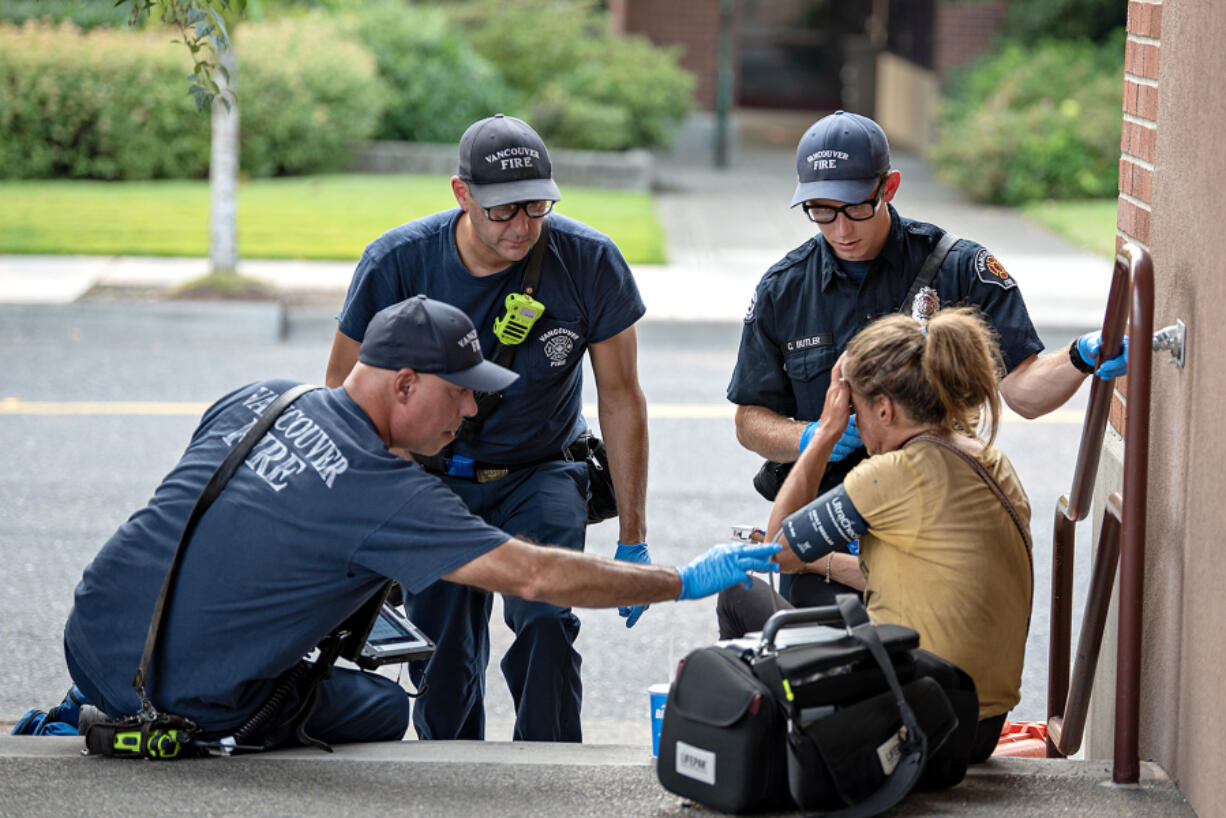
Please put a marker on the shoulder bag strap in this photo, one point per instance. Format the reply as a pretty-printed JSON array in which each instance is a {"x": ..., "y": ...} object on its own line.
[
  {"x": 974, "y": 463},
  {"x": 928, "y": 269},
  {"x": 1000, "y": 495},
  {"x": 913, "y": 748},
  {"x": 211, "y": 489},
  {"x": 502, "y": 354}
]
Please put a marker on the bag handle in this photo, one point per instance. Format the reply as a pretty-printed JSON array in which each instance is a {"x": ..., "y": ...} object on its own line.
[
  {"x": 211, "y": 489},
  {"x": 824, "y": 615}
]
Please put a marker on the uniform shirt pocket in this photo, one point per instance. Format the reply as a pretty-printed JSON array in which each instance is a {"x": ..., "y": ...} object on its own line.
[{"x": 806, "y": 364}]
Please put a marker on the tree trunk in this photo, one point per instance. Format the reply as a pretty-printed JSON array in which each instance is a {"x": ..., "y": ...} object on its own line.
[{"x": 223, "y": 170}]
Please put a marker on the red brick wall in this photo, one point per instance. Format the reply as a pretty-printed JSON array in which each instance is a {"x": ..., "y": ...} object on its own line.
[
  {"x": 692, "y": 24},
  {"x": 964, "y": 30},
  {"x": 1137, "y": 142}
]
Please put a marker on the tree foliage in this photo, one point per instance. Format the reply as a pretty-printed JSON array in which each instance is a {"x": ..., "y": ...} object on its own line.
[
  {"x": 438, "y": 83},
  {"x": 581, "y": 85},
  {"x": 1035, "y": 122},
  {"x": 1030, "y": 21}
]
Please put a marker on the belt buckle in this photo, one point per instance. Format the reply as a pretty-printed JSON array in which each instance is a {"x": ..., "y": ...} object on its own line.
[{"x": 489, "y": 475}]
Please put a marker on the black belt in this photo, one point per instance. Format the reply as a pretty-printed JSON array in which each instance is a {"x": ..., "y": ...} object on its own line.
[{"x": 482, "y": 472}]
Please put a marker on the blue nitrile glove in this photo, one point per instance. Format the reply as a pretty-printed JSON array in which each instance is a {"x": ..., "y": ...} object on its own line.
[
  {"x": 725, "y": 565},
  {"x": 1088, "y": 346},
  {"x": 848, "y": 443},
  {"x": 632, "y": 553}
]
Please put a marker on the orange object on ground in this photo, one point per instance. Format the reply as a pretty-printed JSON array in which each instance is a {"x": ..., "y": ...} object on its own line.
[{"x": 1022, "y": 739}]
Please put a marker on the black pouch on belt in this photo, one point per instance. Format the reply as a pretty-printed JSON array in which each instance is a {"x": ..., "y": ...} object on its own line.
[{"x": 601, "y": 499}]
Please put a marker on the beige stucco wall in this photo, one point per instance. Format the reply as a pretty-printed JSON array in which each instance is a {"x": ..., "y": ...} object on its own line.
[
  {"x": 1184, "y": 661},
  {"x": 906, "y": 100}
]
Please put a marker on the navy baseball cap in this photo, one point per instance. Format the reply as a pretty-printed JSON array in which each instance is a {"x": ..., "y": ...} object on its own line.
[
  {"x": 504, "y": 161},
  {"x": 431, "y": 337},
  {"x": 840, "y": 158}
]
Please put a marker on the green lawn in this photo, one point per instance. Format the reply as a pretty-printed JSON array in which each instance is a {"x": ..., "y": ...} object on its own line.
[
  {"x": 1089, "y": 223},
  {"x": 315, "y": 217}
]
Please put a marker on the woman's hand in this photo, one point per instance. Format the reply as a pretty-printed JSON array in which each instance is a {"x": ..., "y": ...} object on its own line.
[{"x": 837, "y": 409}]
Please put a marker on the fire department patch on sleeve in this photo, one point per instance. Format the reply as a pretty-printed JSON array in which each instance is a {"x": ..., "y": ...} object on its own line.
[
  {"x": 753, "y": 303},
  {"x": 991, "y": 271}
]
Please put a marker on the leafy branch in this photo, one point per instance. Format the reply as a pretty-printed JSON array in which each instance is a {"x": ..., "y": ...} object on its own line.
[{"x": 203, "y": 30}]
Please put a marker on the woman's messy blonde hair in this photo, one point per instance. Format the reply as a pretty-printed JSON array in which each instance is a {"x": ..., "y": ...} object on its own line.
[{"x": 943, "y": 375}]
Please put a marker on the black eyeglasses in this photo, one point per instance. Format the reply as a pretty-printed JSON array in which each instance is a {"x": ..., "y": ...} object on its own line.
[
  {"x": 506, "y": 212},
  {"x": 859, "y": 212}
]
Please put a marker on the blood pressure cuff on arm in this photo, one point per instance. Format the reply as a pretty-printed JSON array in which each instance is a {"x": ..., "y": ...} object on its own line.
[{"x": 828, "y": 522}]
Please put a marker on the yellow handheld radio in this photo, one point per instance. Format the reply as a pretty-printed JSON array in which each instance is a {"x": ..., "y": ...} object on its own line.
[{"x": 522, "y": 312}]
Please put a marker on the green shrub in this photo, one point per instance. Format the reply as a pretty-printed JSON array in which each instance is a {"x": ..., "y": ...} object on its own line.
[
  {"x": 112, "y": 103},
  {"x": 1033, "y": 20},
  {"x": 307, "y": 96},
  {"x": 582, "y": 87},
  {"x": 1035, "y": 122},
  {"x": 90, "y": 14},
  {"x": 109, "y": 104},
  {"x": 437, "y": 83}
]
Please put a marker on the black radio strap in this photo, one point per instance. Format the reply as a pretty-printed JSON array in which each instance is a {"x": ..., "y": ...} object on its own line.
[
  {"x": 211, "y": 489},
  {"x": 502, "y": 354},
  {"x": 928, "y": 269}
]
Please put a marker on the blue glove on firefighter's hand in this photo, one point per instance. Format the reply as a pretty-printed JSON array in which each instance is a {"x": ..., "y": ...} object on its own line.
[
  {"x": 848, "y": 443},
  {"x": 1088, "y": 347},
  {"x": 632, "y": 553},
  {"x": 725, "y": 565}
]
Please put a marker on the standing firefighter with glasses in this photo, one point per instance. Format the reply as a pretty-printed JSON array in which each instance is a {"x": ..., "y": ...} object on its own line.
[
  {"x": 868, "y": 261},
  {"x": 520, "y": 468}
]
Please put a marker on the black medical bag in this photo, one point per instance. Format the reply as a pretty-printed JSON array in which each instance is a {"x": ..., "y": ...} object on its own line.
[{"x": 847, "y": 718}]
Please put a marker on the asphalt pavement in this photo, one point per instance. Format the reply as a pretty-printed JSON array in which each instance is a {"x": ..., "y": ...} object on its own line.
[{"x": 725, "y": 227}]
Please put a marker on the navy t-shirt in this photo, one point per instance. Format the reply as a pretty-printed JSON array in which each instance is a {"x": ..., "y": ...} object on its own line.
[
  {"x": 317, "y": 520},
  {"x": 806, "y": 309},
  {"x": 589, "y": 296}
]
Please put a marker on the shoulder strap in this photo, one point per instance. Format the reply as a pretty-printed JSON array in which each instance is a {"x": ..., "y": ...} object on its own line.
[
  {"x": 928, "y": 269},
  {"x": 913, "y": 743},
  {"x": 1000, "y": 495},
  {"x": 974, "y": 463},
  {"x": 502, "y": 354},
  {"x": 211, "y": 489}
]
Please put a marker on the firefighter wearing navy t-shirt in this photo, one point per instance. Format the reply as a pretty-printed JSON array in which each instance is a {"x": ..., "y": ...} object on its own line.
[{"x": 522, "y": 470}]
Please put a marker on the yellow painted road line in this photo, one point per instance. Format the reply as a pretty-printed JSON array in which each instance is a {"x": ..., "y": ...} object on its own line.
[
  {"x": 16, "y": 406},
  {"x": 657, "y": 411},
  {"x": 720, "y": 411}
]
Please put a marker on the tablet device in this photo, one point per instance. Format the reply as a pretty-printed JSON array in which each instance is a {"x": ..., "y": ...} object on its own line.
[{"x": 392, "y": 639}]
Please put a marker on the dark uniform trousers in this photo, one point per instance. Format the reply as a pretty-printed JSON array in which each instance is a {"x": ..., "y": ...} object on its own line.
[{"x": 545, "y": 504}]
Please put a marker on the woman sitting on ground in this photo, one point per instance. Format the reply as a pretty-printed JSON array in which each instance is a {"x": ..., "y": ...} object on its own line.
[{"x": 939, "y": 550}]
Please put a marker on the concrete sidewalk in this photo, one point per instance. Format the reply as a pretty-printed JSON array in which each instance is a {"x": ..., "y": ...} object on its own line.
[
  {"x": 48, "y": 777},
  {"x": 725, "y": 227}
]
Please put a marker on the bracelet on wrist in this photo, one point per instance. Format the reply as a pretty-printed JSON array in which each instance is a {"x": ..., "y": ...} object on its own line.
[
  {"x": 829, "y": 560},
  {"x": 1079, "y": 363}
]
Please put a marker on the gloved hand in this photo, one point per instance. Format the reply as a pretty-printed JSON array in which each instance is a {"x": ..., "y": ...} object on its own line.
[
  {"x": 1088, "y": 346},
  {"x": 632, "y": 553},
  {"x": 725, "y": 565},
  {"x": 848, "y": 443}
]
